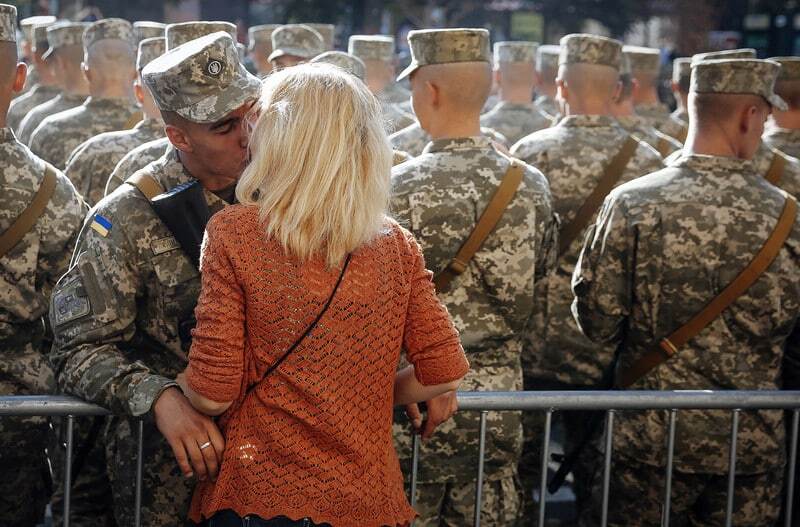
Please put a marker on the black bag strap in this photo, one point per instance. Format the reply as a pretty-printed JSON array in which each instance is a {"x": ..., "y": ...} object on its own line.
[{"x": 308, "y": 330}]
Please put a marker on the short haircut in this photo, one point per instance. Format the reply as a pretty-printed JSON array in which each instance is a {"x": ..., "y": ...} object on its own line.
[
  {"x": 463, "y": 84},
  {"x": 789, "y": 91},
  {"x": 8, "y": 62},
  {"x": 590, "y": 81},
  {"x": 709, "y": 108},
  {"x": 111, "y": 57},
  {"x": 517, "y": 73}
]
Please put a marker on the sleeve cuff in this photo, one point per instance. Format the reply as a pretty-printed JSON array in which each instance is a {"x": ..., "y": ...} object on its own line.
[
  {"x": 147, "y": 391},
  {"x": 430, "y": 372}
]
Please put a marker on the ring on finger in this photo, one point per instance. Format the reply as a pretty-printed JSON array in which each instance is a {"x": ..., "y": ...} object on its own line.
[{"x": 205, "y": 445}]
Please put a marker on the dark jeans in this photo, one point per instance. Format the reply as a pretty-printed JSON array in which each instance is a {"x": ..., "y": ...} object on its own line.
[{"x": 229, "y": 518}]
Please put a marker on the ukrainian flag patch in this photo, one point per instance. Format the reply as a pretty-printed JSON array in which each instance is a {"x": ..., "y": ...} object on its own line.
[{"x": 101, "y": 225}]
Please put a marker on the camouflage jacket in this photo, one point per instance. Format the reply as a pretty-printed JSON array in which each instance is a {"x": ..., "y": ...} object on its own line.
[
  {"x": 396, "y": 116},
  {"x": 640, "y": 127},
  {"x": 395, "y": 93},
  {"x": 548, "y": 106},
  {"x": 30, "y": 269},
  {"x": 572, "y": 155},
  {"x": 91, "y": 164},
  {"x": 116, "y": 313},
  {"x": 785, "y": 140},
  {"x": 663, "y": 246},
  {"x": 58, "y": 135},
  {"x": 656, "y": 113},
  {"x": 439, "y": 196},
  {"x": 135, "y": 160},
  {"x": 59, "y": 103},
  {"x": 515, "y": 121},
  {"x": 413, "y": 139},
  {"x": 676, "y": 125},
  {"x": 23, "y": 104}
]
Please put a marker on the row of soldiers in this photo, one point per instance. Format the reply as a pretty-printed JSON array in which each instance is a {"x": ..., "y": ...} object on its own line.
[{"x": 661, "y": 247}]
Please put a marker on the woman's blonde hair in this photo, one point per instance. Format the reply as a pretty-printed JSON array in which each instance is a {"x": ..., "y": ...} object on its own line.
[{"x": 320, "y": 166}]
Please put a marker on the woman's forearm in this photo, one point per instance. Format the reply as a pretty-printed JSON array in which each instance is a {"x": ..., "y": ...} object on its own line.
[
  {"x": 407, "y": 389},
  {"x": 200, "y": 403}
]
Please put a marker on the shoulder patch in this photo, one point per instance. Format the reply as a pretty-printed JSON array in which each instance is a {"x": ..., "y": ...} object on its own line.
[
  {"x": 164, "y": 245},
  {"x": 70, "y": 302},
  {"x": 101, "y": 225}
]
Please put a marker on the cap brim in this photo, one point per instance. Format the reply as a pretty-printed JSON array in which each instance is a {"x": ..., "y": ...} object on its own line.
[
  {"x": 777, "y": 102},
  {"x": 47, "y": 53},
  {"x": 215, "y": 107},
  {"x": 408, "y": 71}
]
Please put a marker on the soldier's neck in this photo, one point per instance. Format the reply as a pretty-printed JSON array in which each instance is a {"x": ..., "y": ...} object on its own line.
[
  {"x": 548, "y": 90},
  {"x": 647, "y": 97},
  {"x": 623, "y": 109},
  {"x": 111, "y": 91},
  {"x": 210, "y": 181},
  {"x": 789, "y": 120},
  {"x": 516, "y": 94},
  {"x": 714, "y": 141},
  {"x": 453, "y": 126}
]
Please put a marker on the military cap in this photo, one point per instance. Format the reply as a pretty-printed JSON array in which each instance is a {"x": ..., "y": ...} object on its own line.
[
  {"x": 261, "y": 34},
  {"x": 183, "y": 32},
  {"x": 547, "y": 57},
  {"x": 40, "y": 44},
  {"x": 241, "y": 50},
  {"x": 327, "y": 32},
  {"x": 27, "y": 24},
  {"x": 743, "y": 53},
  {"x": 738, "y": 76},
  {"x": 298, "y": 40},
  {"x": 8, "y": 23},
  {"x": 349, "y": 63},
  {"x": 790, "y": 68},
  {"x": 681, "y": 69},
  {"x": 519, "y": 51},
  {"x": 202, "y": 80},
  {"x": 372, "y": 47},
  {"x": 583, "y": 48},
  {"x": 446, "y": 46},
  {"x": 643, "y": 60},
  {"x": 149, "y": 50},
  {"x": 63, "y": 34},
  {"x": 108, "y": 29},
  {"x": 145, "y": 29}
]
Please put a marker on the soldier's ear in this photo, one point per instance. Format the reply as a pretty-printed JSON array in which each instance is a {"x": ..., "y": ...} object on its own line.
[
  {"x": 20, "y": 75},
  {"x": 432, "y": 93},
  {"x": 138, "y": 91},
  {"x": 178, "y": 138}
]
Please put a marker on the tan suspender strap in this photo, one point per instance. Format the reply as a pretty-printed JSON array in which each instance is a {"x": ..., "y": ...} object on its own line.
[
  {"x": 486, "y": 223},
  {"x": 27, "y": 219},
  {"x": 681, "y": 135},
  {"x": 670, "y": 345},
  {"x": 608, "y": 179},
  {"x": 663, "y": 146},
  {"x": 133, "y": 120},
  {"x": 146, "y": 185},
  {"x": 775, "y": 172}
]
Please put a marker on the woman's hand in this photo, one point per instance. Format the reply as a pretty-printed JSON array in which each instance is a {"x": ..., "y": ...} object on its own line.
[{"x": 439, "y": 410}]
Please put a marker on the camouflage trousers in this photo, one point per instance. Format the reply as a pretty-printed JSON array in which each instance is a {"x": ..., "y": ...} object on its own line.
[
  {"x": 452, "y": 504},
  {"x": 25, "y": 484},
  {"x": 636, "y": 497}
]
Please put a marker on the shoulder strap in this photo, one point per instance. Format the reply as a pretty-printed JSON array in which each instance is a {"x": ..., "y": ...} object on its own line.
[
  {"x": 670, "y": 345},
  {"x": 133, "y": 120},
  {"x": 28, "y": 217},
  {"x": 681, "y": 134},
  {"x": 663, "y": 146},
  {"x": 146, "y": 184},
  {"x": 776, "y": 167},
  {"x": 486, "y": 223},
  {"x": 608, "y": 179}
]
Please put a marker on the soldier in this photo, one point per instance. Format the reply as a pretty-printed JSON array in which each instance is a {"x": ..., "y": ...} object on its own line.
[
  {"x": 577, "y": 157},
  {"x": 260, "y": 47},
  {"x": 413, "y": 139},
  {"x": 122, "y": 345},
  {"x": 45, "y": 89},
  {"x": 109, "y": 63},
  {"x": 352, "y": 65},
  {"x": 677, "y": 125},
  {"x": 294, "y": 44},
  {"x": 646, "y": 69},
  {"x": 144, "y": 29},
  {"x": 27, "y": 25},
  {"x": 377, "y": 53},
  {"x": 546, "y": 72},
  {"x": 453, "y": 182},
  {"x": 183, "y": 32},
  {"x": 328, "y": 34},
  {"x": 30, "y": 264},
  {"x": 622, "y": 108},
  {"x": 663, "y": 247},
  {"x": 91, "y": 164},
  {"x": 65, "y": 50},
  {"x": 784, "y": 134},
  {"x": 515, "y": 116}
]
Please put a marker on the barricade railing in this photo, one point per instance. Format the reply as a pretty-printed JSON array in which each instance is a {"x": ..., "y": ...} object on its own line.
[{"x": 548, "y": 402}]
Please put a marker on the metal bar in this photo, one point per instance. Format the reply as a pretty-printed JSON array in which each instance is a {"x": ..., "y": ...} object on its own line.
[
  {"x": 548, "y": 421},
  {"x": 673, "y": 415},
  {"x": 50, "y": 405},
  {"x": 479, "y": 480},
  {"x": 792, "y": 468},
  {"x": 607, "y": 465},
  {"x": 68, "y": 471},
  {"x": 414, "y": 468},
  {"x": 732, "y": 467},
  {"x": 137, "y": 511}
]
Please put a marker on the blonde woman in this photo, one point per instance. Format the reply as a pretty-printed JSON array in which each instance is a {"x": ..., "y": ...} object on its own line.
[{"x": 309, "y": 294}]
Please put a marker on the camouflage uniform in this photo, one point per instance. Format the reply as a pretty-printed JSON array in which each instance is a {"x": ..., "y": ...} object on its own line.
[
  {"x": 349, "y": 63},
  {"x": 20, "y": 106},
  {"x": 668, "y": 223},
  {"x": 183, "y": 32},
  {"x": 60, "y": 103},
  {"x": 117, "y": 312},
  {"x": 413, "y": 139},
  {"x": 783, "y": 139},
  {"x": 259, "y": 42},
  {"x": 647, "y": 62},
  {"x": 135, "y": 160},
  {"x": 27, "y": 26},
  {"x": 145, "y": 29},
  {"x": 656, "y": 113},
  {"x": 678, "y": 123},
  {"x": 298, "y": 40},
  {"x": 515, "y": 121},
  {"x": 640, "y": 127},
  {"x": 547, "y": 61}
]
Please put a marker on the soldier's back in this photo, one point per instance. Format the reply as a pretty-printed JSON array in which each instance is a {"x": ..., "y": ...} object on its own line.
[
  {"x": 548, "y": 106},
  {"x": 784, "y": 139},
  {"x": 413, "y": 139},
  {"x": 396, "y": 116},
  {"x": 781, "y": 169},
  {"x": 656, "y": 113},
  {"x": 135, "y": 160},
  {"x": 661, "y": 142},
  {"x": 59, "y": 103},
  {"x": 515, "y": 121},
  {"x": 23, "y": 104}
]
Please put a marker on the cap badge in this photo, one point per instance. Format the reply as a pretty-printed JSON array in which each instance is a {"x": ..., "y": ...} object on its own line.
[{"x": 214, "y": 67}]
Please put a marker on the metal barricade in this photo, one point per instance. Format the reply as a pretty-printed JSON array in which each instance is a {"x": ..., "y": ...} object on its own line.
[{"x": 547, "y": 402}]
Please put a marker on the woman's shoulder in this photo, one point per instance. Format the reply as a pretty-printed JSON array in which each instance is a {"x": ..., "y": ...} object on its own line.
[{"x": 233, "y": 218}]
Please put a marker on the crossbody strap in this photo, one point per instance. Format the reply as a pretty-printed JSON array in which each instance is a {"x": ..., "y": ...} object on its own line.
[
  {"x": 146, "y": 184},
  {"x": 133, "y": 120},
  {"x": 776, "y": 167},
  {"x": 670, "y": 345},
  {"x": 27, "y": 219}
]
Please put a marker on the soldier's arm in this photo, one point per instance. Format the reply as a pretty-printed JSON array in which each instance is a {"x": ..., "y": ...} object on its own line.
[{"x": 93, "y": 315}]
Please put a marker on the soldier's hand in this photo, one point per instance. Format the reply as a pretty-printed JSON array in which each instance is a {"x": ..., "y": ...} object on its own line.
[
  {"x": 187, "y": 430},
  {"x": 439, "y": 410}
]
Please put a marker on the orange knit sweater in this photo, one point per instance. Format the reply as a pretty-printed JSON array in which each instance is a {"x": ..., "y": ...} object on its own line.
[{"x": 314, "y": 439}]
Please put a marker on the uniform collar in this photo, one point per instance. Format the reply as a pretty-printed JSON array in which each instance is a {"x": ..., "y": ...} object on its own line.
[
  {"x": 786, "y": 132},
  {"x": 505, "y": 105},
  {"x": 632, "y": 121},
  {"x": 706, "y": 163},
  {"x": 571, "y": 121},
  {"x": 107, "y": 102},
  {"x": 459, "y": 143},
  {"x": 7, "y": 135},
  {"x": 153, "y": 125}
]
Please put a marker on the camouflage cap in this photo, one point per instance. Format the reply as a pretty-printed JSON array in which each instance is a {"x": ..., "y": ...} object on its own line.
[
  {"x": 183, "y": 32},
  {"x": 790, "y": 68},
  {"x": 149, "y": 50},
  {"x": 108, "y": 29},
  {"x": 298, "y": 40},
  {"x": 446, "y": 46},
  {"x": 352, "y": 65},
  {"x": 517, "y": 51},
  {"x": 39, "y": 41},
  {"x": 583, "y": 48},
  {"x": 202, "y": 80},
  {"x": 63, "y": 34},
  {"x": 372, "y": 47},
  {"x": 262, "y": 34},
  {"x": 241, "y": 50},
  {"x": 738, "y": 76},
  {"x": 27, "y": 24},
  {"x": 145, "y": 29},
  {"x": 547, "y": 57},
  {"x": 327, "y": 32},
  {"x": 681, "y": 69},
  {"x": 8, "y": 23},
  {"x": 643, "y": 60},
  {"x": 742, "y": 53}
]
